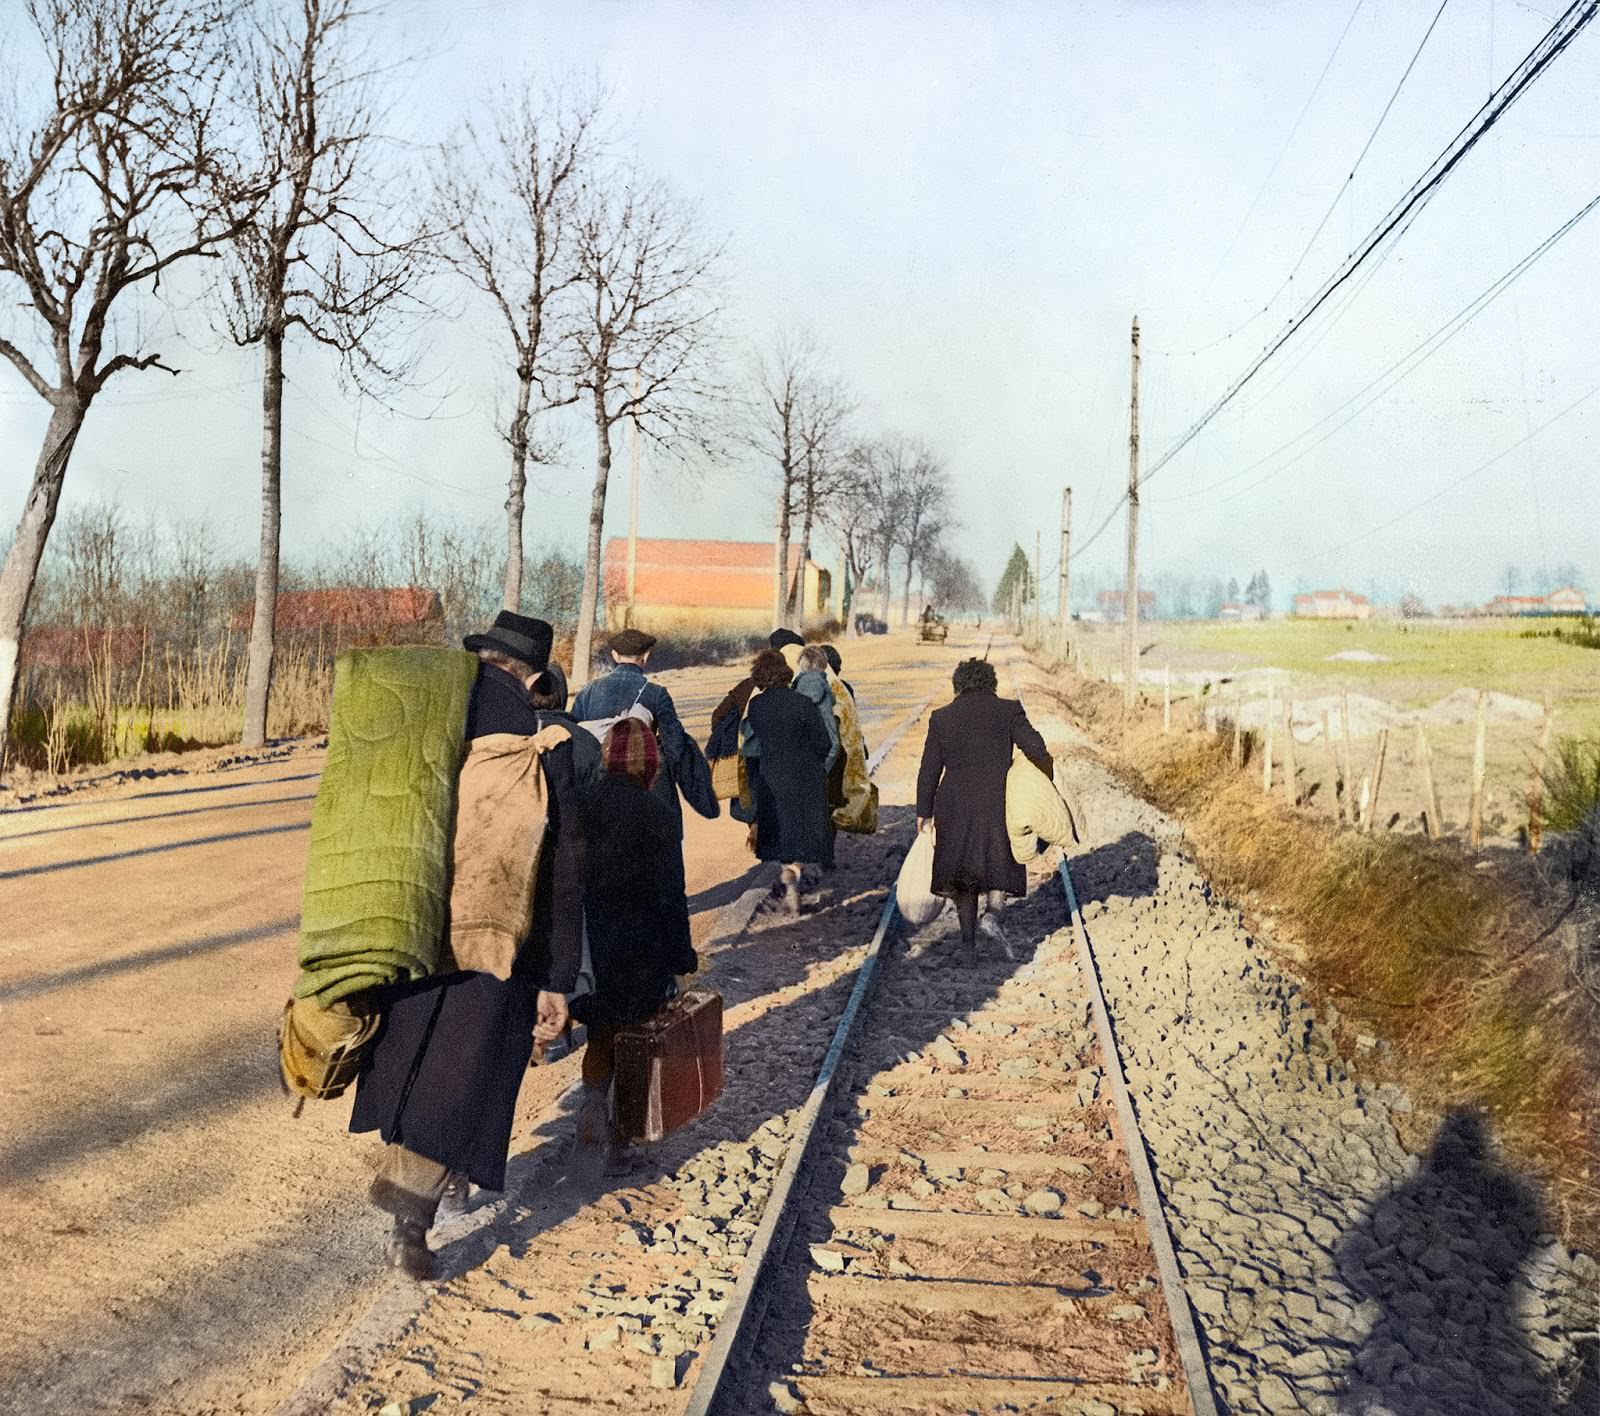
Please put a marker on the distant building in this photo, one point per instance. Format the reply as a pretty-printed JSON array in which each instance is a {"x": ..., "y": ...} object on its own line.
[
  {"x": 1110, "y": 603},
  {"x": 1517, "y": 605},
  {"x": 706, "y": 585},
  {"x": 86, "y": 646},
  {"x": 1332, "y": 604},
  {"x": 1568, "y": 600},
  {"x": 1235, "y": 611},
  {"x": 408, "y": 615}
]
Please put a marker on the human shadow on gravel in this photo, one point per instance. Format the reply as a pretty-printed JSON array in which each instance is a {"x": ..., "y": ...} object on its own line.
[
  {"x": 1441, "y": 1256},
  {"x": 1130, "y": 866}
]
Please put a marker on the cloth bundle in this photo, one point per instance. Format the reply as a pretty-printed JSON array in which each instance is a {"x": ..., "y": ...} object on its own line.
[
  {"x": 1036, "y": 811},
  {"x": 859, "y": 813},
  {"x": 378, "y": 867},
  {"x": 913, "y": 889}
]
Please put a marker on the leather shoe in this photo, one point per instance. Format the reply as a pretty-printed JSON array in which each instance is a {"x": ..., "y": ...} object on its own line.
[{"x": 409, "y": 1251}]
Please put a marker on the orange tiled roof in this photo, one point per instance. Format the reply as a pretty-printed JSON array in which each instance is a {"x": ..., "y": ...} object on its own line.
[
  {"x": 348, "y": 609},
  {"x": 718, "y": 575}
]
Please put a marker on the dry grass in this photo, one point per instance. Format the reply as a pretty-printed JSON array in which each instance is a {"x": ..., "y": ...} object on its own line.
[{"x": 1471, "y": 973}]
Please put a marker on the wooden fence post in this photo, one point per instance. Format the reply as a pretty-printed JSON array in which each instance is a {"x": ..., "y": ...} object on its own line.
[
  {"x": 1536, "y": 782},
  {"x": 1430, "y": 795},
  {"x": 1291, "y": 770},
  {"x": 1238, "y": 730},
  {"x": 1475, "y": 809},
  {"x": 1333, "y": 758},
  {"x": 1166, "y": 699},
  {"x": 1346, "y": 782},
  {"x": 1266, "y": 752},
  {"x": 1371, "y": 806}
]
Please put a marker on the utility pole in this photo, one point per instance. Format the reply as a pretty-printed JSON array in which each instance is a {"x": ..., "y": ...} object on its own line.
[
  {"x": 1063, "y": 581},
  {"x": 633, "y": 510},
  {"x": 1130, "y": 593},
  {"x": 1038, "y": 584}
]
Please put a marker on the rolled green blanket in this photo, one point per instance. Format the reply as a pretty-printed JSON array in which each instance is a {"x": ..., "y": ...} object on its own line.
[{"x": 378, "y": 870}]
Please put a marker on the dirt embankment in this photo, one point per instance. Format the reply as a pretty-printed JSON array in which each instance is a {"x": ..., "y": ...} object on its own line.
[{"x": 1470, "y": 977}]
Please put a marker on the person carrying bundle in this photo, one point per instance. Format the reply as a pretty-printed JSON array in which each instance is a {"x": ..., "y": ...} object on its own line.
[{"x": 441, "y": 1079}]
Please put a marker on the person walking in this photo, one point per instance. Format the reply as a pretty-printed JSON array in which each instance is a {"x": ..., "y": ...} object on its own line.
[
  {"x": 440, "y": 1083},
  {"x": 961, "y": 796},
  {"x": 548, "y": 695},
  {"x": 788, "y": 749},
  {"x": 683, "y": 766},
  {"x": 637, "y": 928}
]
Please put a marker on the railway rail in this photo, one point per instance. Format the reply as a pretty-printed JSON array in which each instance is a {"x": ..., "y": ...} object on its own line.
[{"x": 966, "y": 1218}]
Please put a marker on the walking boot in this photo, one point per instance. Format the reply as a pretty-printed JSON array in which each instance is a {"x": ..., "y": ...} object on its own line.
[
  {"x": 409, "y": 1251},
  {"x": 989, "y": 927},
  {"x": 791, "y": 891},
  {"x": 457, "y": 1191}
]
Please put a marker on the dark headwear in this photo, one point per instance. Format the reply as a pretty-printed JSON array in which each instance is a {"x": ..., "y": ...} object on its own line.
[
  {"x": 974, "y": 676},
  {"x": 834, "y": 661},
  {"x": 630, "y": 643},
  {"x": 782, "y": 638},
  {"x": 552, "y": 684},
  {"x": 630, "y": 751},
  {"x": 518, "y": 637},
  {"x": 771, "y": 669}
]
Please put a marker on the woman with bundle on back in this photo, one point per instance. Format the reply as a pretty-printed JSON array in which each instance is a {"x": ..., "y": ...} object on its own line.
[{"x": 961, "y": 796}]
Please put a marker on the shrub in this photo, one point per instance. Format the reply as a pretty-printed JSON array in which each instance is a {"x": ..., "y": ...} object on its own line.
[{"x": 1572, "y": 784}]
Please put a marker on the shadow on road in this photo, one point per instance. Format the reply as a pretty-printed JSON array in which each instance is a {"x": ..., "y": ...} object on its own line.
[
  {"x": 141, "y": 820},
  {"x": 1129, "y": 866},
  {"x": 54, "y": 867}
]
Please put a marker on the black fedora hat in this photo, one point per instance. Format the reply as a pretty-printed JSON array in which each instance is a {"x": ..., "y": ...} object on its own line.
[
  {"x": 782, "y": 638},
  {"x": 518, "y": 637}
]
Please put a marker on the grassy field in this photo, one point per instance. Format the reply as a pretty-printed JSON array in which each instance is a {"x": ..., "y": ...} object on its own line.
[{"x": 1421, "y": 662}]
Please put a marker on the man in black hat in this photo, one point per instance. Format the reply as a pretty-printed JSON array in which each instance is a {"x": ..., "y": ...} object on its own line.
[{"x": 441, "y": 1082}]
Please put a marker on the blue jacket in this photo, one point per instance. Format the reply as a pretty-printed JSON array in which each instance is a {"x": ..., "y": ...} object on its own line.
[{"x": 684, "y": 766}]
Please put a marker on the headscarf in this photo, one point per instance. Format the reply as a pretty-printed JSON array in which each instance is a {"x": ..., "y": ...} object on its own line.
[{"x": 629, "y": 750}]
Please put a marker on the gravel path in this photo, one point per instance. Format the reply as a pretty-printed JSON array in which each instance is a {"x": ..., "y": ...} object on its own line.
[{"x": 1332, "y": 1271}]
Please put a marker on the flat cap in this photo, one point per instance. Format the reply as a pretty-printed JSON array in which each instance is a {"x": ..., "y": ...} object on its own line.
[{"x": 631, "y": 642}]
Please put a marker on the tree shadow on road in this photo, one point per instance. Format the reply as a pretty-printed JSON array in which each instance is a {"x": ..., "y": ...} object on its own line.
[{"x": 1442, "y": 1257}]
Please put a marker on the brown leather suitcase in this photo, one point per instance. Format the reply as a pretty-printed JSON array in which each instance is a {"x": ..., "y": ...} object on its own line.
[{"x": 669, "y": 1068}]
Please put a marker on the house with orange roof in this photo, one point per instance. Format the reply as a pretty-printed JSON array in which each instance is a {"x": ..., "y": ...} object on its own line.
[{"x": 1332, "y": 604}]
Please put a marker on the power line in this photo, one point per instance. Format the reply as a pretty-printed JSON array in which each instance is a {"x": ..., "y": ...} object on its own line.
[
  {"x": 1266, "y": 181},
  {"x": 1426, "y": 349},
  {"x": 1399, "y": 217},
  {"x": 1452, "y": 485}
]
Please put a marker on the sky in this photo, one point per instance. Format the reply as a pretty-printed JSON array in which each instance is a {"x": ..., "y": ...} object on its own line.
[{"x": 965, "y": 205}]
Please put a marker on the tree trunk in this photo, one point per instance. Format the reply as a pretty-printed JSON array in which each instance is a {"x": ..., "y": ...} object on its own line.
[
  {"x": 588, "y": 600},
  {"x": 785, "y": 525},
  {"x": 905, "y": 603},
  {"x": 797, "y": 595},
  {"x": 264, "y": 625},
  {"x": 884, "y": 561},
  {"x": 516, "y": 498},
  {"x": 21, "y": 568}
]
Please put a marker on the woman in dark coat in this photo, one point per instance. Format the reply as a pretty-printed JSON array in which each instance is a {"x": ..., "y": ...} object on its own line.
[
  {"x": 787, "y": 748},
  {"x": 961, "y": 791},
  {"x": 635, "y": 911},
  {"x": 440, "y": 1083}
]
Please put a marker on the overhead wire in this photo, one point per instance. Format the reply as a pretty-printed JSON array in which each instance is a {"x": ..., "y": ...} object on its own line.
[
  {"x": 1399, "y": 217},
  {"x": 1418, "y": 355}
]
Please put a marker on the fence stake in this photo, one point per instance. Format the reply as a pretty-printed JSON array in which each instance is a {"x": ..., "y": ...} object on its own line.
[
  {"x": 1266, "y": 754},
  {"x": 1536, "y": 782},
  {"x": 1377, "y": 779},
  {"x": 1166, "y": 699},
  {"x": 1430, "y": 795},
  {"x": 1238, "y": 730},
  {"x": 1333, "y": 757},
  {"x": 1345, "y": 779},
  {"x": 1291, "y": 771},
  {"x": 1475, "y": 810}
]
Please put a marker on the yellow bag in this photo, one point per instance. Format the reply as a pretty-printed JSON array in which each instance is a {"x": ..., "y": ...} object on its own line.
[
  {"x": 320, "y": 1049},
  {"x": 1035, "y": 810},
  {"x": 730, "y": 779},
  {"x": 859, "y": 813}
]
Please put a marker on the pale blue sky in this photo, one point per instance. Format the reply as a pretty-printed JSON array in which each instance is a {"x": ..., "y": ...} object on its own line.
[{"x": 966, "y": 203}]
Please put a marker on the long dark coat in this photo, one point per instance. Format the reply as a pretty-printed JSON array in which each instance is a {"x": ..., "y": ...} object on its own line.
[
  {"x": 444, "y": 1071},
  {"x": 789, "y": 780},
  {"x": 634, "y": 906},
  {"x": 962, "y": 785}
]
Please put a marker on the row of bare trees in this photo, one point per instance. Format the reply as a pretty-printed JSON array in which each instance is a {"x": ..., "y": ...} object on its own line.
[
  {"x": 879, "y": 495},
  {"x": 180, "y": 131}
]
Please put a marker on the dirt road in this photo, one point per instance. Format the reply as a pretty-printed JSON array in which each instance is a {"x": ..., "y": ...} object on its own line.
[{"x": 177, "y": 1242}]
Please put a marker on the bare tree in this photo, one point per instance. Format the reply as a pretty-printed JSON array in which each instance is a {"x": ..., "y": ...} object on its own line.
[
  {"x": 823, "y": 411},
  {"x": 101, "y": 193},
  {"x": 510, "y": 197},
  {"x": 925, "y": 490},
  {"x": 644, "y": 347},
  {"x": 310, "y": 257},
  {"x": 775, "y": 428},
  {"x": 852, "y": 511}
]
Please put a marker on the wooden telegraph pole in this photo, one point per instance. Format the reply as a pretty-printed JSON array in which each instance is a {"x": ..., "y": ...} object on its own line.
[
  {"x": 1063, "y": 580},
  {"x": 1038, "y": 583},
  {"x": 1130, "y": 594},
  {"x": 633, "y": 511}
]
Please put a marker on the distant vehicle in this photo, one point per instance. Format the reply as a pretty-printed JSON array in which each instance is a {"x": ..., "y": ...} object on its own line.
[
  {"x": 932, "y": 631},
  {"x": 870, "y": 624}
]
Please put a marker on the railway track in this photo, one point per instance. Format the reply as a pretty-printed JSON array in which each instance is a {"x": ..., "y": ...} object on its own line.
[{"x": 966, "y": 1220}]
